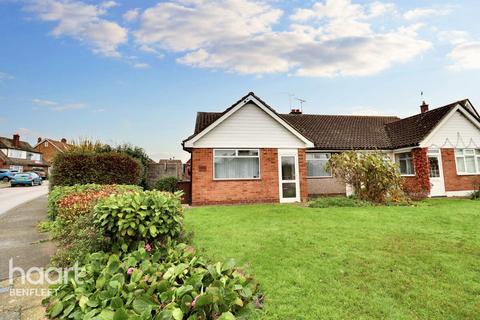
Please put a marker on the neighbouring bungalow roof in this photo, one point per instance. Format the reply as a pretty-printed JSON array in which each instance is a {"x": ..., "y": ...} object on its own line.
[{"x": 343, "y": 132}]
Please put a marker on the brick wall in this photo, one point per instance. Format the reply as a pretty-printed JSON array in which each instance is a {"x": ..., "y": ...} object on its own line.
[
  {"x": 205, "y": 190},
  {"x": 302, "y": 169},
  {"x": 48, "y": 153},
  {"x": 454, "y": 182}
]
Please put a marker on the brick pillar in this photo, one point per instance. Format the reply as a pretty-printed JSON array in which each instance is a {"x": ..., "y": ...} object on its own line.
[
  {"x": 422, "y": 168},
  {"x": 302, "y": 169}
]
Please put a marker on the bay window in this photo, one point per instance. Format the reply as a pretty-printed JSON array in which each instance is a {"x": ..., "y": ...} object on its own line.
[
  {"x": 405, "y": 163},
  {"x": 317, "y": 165},
  {"x": 468, "y": 161},
  {"x": 236, "y": 164}
]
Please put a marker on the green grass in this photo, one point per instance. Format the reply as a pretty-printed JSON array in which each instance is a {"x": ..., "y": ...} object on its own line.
[{"x": 341, "y": 263}]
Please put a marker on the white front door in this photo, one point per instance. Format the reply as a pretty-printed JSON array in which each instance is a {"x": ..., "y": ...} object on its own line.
[
  {"x": 288, "y": 175},
  {"x": 437, "y": 183}
]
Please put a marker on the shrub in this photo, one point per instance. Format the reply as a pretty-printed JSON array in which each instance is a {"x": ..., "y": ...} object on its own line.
[
  {"x": 475, "y": 195},
  {"x": 141, "y": 216},
  {"x": 60, "y": 192},
  {"x": 415, "y": 191},
  {"x": 328, "y": 202},
  {"x": 168, "y": 184},
  {"x": 372, "y": 177},
  {"x": 167, "y": 283},
  {"x": 76, "y": 167},
  {"x": 76, "y": 239}
]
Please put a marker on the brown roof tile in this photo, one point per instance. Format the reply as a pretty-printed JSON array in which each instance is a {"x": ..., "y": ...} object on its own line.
[{"x": 8, "y": 143}]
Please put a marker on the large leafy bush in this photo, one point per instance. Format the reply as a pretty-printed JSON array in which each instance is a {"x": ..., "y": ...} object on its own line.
[
  {"x": 371, "y": 175},
  {"x": 76, "y": 167},
  {"x": 141, "y": 216},
  {"x": 57, "y": 194},
  {"x": 74, "y": 228},
  {"x": 166, "y": 283}
]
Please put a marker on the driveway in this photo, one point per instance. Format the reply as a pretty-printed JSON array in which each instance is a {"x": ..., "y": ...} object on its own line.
[{"x": 12, "y": 197}]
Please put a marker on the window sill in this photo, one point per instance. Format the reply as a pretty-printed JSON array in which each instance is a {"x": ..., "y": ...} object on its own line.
[
  {"x": 408, "y": 175},
  {"x": 322, "y": 177},
  {"x": 468, "y": 174}
]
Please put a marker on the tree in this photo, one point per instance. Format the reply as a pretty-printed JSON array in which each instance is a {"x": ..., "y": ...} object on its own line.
[{"x": 371, "y": 175}]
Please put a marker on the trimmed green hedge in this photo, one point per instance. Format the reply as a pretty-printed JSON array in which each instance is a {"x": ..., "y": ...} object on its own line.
[{"x": 89, "y": 167}]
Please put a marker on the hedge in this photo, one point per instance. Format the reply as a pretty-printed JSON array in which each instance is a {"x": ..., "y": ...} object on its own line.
[{"x": 101, "y": 168}]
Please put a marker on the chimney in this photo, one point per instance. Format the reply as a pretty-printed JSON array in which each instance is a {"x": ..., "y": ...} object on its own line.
[
  {"x": 16, "y": 140},
  {"x": 39, "y": 139},
  {"x": 424, "y": 107},
  {"x": 63, "y": 140},
  {"x": 295, "y": 111}
]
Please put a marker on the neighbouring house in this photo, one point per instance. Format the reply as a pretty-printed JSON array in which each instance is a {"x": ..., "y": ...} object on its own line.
[
  {"x": 19, "y": 155},
  {"x": 49, "y": 147},
  {"x": 249, "y": 153}
]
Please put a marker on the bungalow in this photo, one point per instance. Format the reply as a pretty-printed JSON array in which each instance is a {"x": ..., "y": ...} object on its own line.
[{"x": 250, "y": 153}]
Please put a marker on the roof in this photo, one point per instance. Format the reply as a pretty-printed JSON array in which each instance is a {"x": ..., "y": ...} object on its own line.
[
  {"x": 61, "y": 146},
  {"x": 343, "y": 132},
  {"x": 8, "y": 143}
]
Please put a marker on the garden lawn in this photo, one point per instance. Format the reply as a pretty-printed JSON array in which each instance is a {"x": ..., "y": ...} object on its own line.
[{"x": 340, "y": 263}]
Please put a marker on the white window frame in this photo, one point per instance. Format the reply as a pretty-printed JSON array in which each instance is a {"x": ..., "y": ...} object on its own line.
[
  {"x": 236, "y": 156},
  {"x": 476, "y": 158},
  {"x": 398, "y": 163},
  {"x": 329, "y": 155}
]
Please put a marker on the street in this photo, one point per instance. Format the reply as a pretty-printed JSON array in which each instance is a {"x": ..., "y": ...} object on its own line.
[{"x": 12, "y": 197}]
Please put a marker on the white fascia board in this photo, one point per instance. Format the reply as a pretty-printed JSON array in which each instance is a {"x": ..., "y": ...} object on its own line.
[
  {"x": 458, "y": 107},
  {"x": 190, "y": 143}
]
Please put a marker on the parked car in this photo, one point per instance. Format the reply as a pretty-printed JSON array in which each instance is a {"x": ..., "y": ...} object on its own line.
[
  {"x": 26, "y": 179},
  {"x": 40, "y": 171},
  {"x": 6, "y": 175}
]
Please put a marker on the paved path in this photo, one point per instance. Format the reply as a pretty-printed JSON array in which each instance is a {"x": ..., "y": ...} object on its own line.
[
  {"x": 12, "y": 197},
  {"x": 20, "y": 240}
]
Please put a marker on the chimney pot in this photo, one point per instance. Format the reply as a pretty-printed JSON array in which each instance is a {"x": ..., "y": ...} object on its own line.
[
  {"x": 295, "y": 111},
  {"x": 424, "y": 107},
  {"x": 16, "y": 140},
  {"x": 39, "y": 139},
  {"x": 64, "y": 140}
]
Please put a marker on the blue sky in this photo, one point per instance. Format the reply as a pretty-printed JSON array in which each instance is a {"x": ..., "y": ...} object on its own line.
[{"x": 138, "y": 71}]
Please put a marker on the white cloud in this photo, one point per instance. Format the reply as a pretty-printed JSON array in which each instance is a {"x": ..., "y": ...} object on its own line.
[
  {"x": 453, "y": 36},
  {"x": 6, "y": 76},
  {"x": 83, "y": 22},
  {"x": 331, "y": 38},
  {"x": 141, "y": 65},
  {"x": 418, "y": 13},
  {"x": 190, "y": 25},
  {"x": 465, "y": 56},
  {"x": 100, "y": 110},
  {"x": 131, "y": 15},
  {"x": 58, "y": 107}
]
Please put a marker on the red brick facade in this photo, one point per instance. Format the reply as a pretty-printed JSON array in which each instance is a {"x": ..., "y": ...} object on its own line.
[
  {"x": 206, "y": 190},
  {"x": 453, "y": 181}
]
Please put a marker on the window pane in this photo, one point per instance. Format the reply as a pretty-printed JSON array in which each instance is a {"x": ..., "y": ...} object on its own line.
[
  {"x": 236, "y": 168},
  {"x": 477, "y": 152},
  {"x": 470, "y": 164},
  {"x": 288, "y": 168},
  {"x": 459, "y": 152},
  {"x": 317, "y": 168},
  {"x": 434, "y": 167},
  {"x": 224, "y": 153},
  {"x": 247, "y": 153},
  {"x": 478, "y": 164},
  {"x": 468, "y": 152},
  {"x": 460, "y": 164},
  {"x": 289, "y": 190}
]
